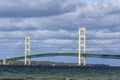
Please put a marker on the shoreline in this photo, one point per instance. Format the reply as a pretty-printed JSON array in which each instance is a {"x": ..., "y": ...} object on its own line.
[{"x": 59, "y": 72}]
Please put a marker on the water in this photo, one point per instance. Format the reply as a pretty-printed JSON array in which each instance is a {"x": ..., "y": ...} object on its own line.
[
  {"x": 111, "y": 62},
  {"x": 63, "y": 73},
  {"x": 59, "y": 73}
]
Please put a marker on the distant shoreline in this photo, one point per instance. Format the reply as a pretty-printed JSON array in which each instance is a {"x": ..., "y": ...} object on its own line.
[{"x": 48, "y": 63}]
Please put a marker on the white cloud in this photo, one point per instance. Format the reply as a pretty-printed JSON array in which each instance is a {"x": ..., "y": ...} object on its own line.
[{"x": 104, "y": 33}]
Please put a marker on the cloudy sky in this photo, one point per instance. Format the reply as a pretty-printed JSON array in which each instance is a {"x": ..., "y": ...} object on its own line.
[{"x": 53, "y": 24}]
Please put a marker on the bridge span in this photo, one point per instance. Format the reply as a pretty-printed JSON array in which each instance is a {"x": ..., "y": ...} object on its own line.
[
  {"x": 82, "y": 53},
  {"x": 108, "y": 56}
]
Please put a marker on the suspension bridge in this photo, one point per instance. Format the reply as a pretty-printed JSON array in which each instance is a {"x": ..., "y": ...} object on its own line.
[{"x": 31, "y": 48}]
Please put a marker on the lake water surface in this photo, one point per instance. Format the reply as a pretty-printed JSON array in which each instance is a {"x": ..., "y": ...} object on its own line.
[{"x": 111, "y": 62}]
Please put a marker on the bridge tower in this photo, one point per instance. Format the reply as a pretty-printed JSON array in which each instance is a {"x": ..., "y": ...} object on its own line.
[
  {"x": 4, "y": 62},
  {"x": 27, "y": 51},
  {"x": 82, "y": 46}
]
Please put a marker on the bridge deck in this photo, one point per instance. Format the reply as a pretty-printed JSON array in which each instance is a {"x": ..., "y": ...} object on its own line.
[{"x": 65, "y": 54}]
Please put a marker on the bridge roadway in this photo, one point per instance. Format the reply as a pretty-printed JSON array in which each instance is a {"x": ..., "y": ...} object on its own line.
[{"x": 108, "y": 56}]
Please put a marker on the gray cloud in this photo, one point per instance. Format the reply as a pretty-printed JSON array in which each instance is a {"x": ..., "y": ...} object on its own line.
[
  {"x": 36, "y": 8},
  {"x": 57, "y": 20},
  {"x": 79, "y": 13}
]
